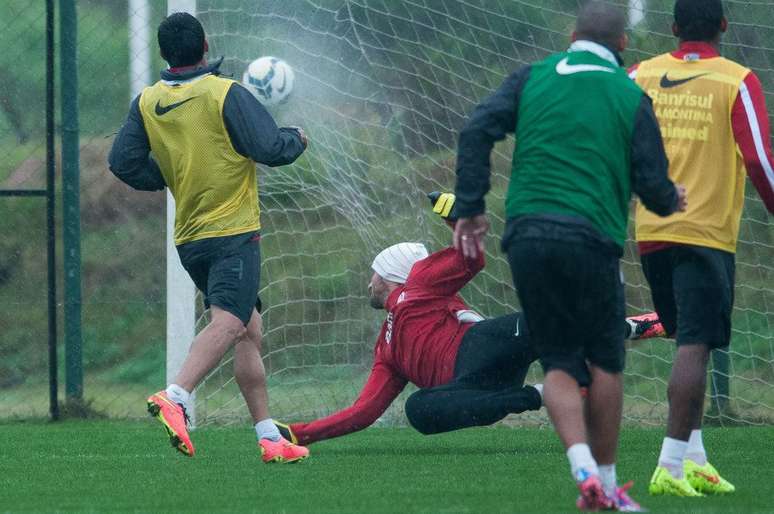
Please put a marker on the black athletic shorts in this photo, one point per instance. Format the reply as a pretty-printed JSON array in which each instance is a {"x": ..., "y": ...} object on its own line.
[
  {"x": 495, "y": 353},
  {"x": 227, "y": 270},
  {"x": 569, "y": 283},
  {"x": 693, "y": 292}
]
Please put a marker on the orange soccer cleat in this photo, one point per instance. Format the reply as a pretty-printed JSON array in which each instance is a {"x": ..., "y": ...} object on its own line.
[
  {"x": 592, "y": 497},
  {"x": 645, "y": 326},
  {"x": 172, "y": 415},
  {"x": 282, "y": 451}
]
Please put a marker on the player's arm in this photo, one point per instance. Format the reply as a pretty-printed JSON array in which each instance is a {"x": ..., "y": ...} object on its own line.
[
  {"x": 649, "y": 164},
  {"x": 491, "y": 121},
  {"x": 381, "y": 388},
  {"x": 254, "y": 133},
  {"x": 750, "y": 121},
  {"x": 445, "y": 272},
  {"x": 130, "y": 159}
]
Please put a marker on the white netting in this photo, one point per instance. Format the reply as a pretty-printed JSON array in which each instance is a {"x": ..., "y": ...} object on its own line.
[{"x": 382, "y": 87}]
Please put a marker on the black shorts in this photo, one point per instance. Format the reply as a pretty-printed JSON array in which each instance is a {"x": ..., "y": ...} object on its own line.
[
  {"x": 227, "y": 270},
  {"x": 571, "y": 293},
  {"x": 693, "y": 292},
  {"x": 495, "y": 353}
]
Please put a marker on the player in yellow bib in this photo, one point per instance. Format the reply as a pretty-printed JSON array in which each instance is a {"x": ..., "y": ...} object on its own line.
[
  {"x": 715, "y": 127},
  {"x": 206, "y": 133}
]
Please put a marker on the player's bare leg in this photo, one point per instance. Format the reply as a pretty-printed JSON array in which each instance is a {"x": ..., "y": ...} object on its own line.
[
  {"x": 249, "y": 371},
  {"x": 563, "y": 401},
  {"x": 604, "y": 407},
  {"x": 603, "y": 414},
  {"x": 250, "y": 375},
  {"x": 170, "y": 407},
  {"x": 687, "y": 386},
  {"x": 209, "y": 347}
]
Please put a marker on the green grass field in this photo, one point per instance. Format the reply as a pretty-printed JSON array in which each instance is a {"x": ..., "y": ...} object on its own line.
[{"x": 110, "y": 466}]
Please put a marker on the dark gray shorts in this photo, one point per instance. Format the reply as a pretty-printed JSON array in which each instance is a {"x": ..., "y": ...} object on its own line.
[
  {"x": 227, "y": 270},
  {"x": 572, "y": 296},
  {"x": 693, "y": 292}
]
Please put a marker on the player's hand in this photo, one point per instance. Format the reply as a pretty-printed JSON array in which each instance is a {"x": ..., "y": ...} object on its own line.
[
  {"x": 286, "y": 432},
  {"x": 469, "y": 235},
  {"x": 682, "y": 200},
  {"x": 302, "y": 135}
]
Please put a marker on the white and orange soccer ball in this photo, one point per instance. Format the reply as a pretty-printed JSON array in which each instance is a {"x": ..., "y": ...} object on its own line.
[{"x": 269, "y": 79}]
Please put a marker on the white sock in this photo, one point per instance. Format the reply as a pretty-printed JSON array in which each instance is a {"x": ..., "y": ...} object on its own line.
[
  {"x": 179, "y": 395},
  {"x": 581, "y": 461},
  {"x": 695, "y": 451},
  {"x": 672, "y": 455},
  {"x": 608, "y": 478},
  {"x": 266, "y": 429}
]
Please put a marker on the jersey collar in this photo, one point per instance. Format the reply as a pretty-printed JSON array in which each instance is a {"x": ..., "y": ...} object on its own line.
[
  {"x": 188, "y": 75},
  {"x": 693, "y": 50},
  {"x": 600, "y": 51}
]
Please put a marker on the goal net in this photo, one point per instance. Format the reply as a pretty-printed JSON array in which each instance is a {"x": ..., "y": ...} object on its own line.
[{"x": 382, "y": 89}]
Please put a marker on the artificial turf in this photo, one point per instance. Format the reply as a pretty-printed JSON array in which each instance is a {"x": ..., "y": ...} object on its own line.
[{"x": 112, "y": 466}]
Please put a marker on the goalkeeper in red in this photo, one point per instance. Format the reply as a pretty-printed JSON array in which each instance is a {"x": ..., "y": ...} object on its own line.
[
  {"x": 715, "y": 126},
  {"x": 470, "y": 371},
  {"x": 206, "y": 133}
]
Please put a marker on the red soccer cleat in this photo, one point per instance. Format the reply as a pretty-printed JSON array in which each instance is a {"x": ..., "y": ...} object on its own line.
[
  {"x": 623, "y": 502},
  {"x": 592, "y": 497},
  {"x": 282, "y": 451},
  {"x": 645, "y": 326},
  {"x": 172, "y": 415}
]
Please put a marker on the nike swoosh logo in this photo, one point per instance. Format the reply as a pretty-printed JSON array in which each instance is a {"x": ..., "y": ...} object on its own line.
[
  {"x": 710, "y": 478},
  {"x": 160, "y": 111},
  {"x": 562, "y": 68},
  {"x": 281, "y": 89},
  {"x": 518, "y": 328},
  {"x": 666, "y": 83}
]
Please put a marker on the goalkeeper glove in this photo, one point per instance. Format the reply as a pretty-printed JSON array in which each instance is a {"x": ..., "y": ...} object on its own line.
[
  {"x": 443, "y": 205},
  {"x": 286, "y": 432}
]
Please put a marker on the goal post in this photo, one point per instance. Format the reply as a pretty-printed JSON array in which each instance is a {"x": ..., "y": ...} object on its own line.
[{"x": 181, "y": 292}]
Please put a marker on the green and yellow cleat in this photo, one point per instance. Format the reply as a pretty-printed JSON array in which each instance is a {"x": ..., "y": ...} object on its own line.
[
  {"x": 663, "y": 483},
  {"x": 706, "y": 479}
]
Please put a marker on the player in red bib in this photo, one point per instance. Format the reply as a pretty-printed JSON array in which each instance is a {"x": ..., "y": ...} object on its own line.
[{"x": 470, "y": 371}]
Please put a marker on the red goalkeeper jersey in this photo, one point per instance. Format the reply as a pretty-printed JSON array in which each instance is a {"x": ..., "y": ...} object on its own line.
[{"x": 418, "y": 342}]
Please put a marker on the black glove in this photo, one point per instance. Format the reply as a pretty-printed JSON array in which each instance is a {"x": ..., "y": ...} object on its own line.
[{"x": 443, "y": 205}]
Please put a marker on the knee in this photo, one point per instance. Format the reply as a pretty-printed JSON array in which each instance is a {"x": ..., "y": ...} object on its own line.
[
  {"x": 254, "y": 330},
  {"x": 231, "y": 326},
  {"x": 417, "y": 414}
]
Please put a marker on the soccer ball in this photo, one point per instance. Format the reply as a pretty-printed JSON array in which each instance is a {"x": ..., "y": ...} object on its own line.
[{"x": 269, "y": 79}]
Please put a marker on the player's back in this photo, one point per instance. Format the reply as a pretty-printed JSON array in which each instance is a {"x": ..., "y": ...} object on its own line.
[
  {"x": 575, "y": 123},
  {"x": 693, "y": 99},
  {"x": 215, "y": 188}
]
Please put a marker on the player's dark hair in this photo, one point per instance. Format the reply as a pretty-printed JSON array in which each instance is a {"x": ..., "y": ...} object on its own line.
[
  {"x": 601, "y": 23},
  {"x": 698, "y": 20},
  {"x": 181, "y": 39}
]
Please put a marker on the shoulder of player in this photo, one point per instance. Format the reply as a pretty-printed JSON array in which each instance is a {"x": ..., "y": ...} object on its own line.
[{"x": 734, "y": 68}]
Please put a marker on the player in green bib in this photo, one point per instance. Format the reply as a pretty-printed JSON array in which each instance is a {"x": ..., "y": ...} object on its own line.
[{"x": 586, "y": 139}]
